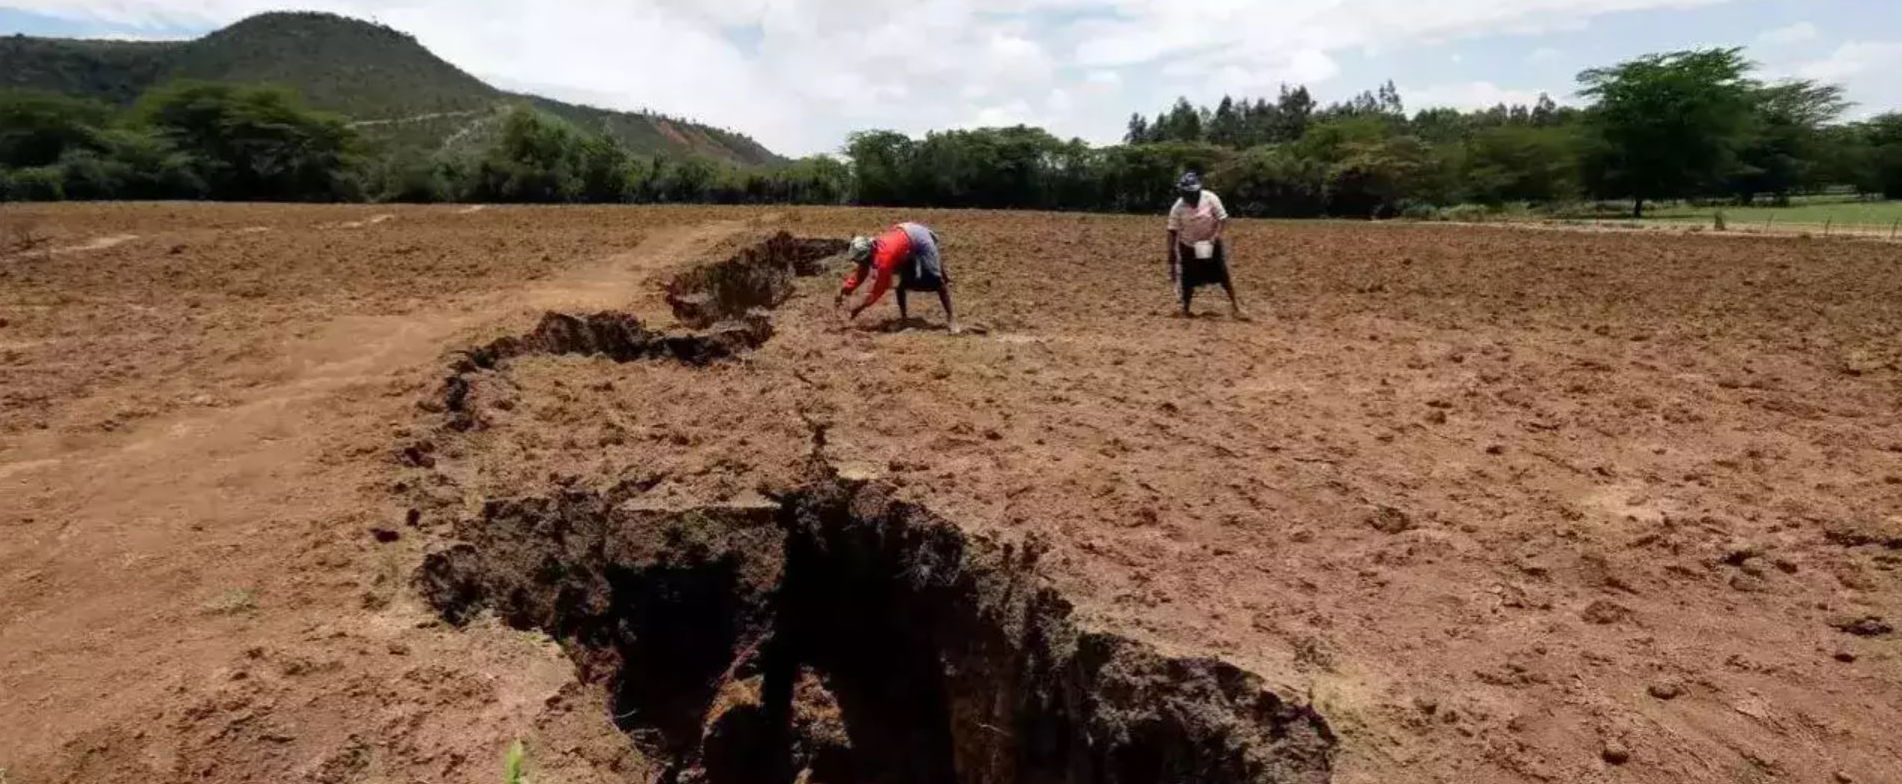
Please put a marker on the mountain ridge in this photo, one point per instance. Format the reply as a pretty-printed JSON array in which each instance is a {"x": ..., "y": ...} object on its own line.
[{"x": 388, "y": 84}]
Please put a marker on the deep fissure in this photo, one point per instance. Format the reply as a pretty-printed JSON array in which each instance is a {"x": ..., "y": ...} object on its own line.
[
  {"x": 839, "y": 635},
  {"x": 758, "y": 276}
]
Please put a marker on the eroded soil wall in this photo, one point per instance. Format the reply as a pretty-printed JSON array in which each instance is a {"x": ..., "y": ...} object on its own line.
[{"x": 841, "y": 635}]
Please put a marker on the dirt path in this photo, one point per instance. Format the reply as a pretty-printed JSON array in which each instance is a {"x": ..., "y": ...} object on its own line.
[
  {"x": 416, "y": 118},
  {"x": 143, "y": 555}
]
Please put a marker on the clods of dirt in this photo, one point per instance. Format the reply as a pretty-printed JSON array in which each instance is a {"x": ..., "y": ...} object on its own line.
[
  {"x": 1602, "y": 612},
  {"x": 1863, "y": 626}
]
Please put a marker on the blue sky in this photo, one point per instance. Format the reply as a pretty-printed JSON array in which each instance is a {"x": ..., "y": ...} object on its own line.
[{"x": 800, "y": 74}]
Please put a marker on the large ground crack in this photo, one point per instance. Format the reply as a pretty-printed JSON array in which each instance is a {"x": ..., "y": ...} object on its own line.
[
  {"x": 839, "y": 635},
  {"x": 758, "y": 276},
  {"x": 834, "y": 634},
  {"x": 721, "y": 306}
]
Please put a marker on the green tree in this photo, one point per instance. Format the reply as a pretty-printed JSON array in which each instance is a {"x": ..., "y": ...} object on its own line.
[
  {"x": 1293, "y": 111},
  {"x": 1137, "y": 131},
  {"x": 1142, "y": 178},
  {"x": 815, "y": 180},
  {"x": 1511, "y": 163},
  {"x": 1668, "y": 125},
  {"x": 1225, "y": 125},
  {"x": 1883, "y": 168},
  {"x": 1328, "y": 140},
  {"x": 1273, "y": 181},
  {"x": 603, "y": 169},
  {"x": 36, "y": 128},
  {"x": 255, "y": 143},
  {"x": 534, "y": 159},
  {"x": 881, "y": 167},
  {"x": 1373, "y": 178},
  {"x": 686, "y": 180},
  {"x": 1181, "y": 124},
  {"x": 1783, "y": 152}
]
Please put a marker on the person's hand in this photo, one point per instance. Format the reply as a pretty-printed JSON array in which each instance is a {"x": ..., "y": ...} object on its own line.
[
  {"x": 838, "y": 300},
  {"x": 1174, "y": 266}
]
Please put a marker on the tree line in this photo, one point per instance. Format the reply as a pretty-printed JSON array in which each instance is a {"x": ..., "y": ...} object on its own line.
[
  {"x": 204, "y": 140},
  {"x": 1692, "y": 124},
  {"x": 1681, "y": 125}
]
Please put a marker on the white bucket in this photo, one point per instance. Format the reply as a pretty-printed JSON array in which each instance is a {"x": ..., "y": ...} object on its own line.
[{"x": 1205, "y": 250}]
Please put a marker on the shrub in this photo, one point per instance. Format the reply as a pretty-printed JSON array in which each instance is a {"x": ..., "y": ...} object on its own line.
[
  {"x": 1469, "y": 213},
  {"x": 39, "y": 183},
  {"x": 414, "y": 182}
]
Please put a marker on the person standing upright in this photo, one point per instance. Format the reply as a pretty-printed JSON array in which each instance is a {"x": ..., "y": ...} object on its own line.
[{"x": 1197, "y": 255}]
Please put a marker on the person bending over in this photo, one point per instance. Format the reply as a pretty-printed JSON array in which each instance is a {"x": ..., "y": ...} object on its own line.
[{"x": 908, "y": 252}]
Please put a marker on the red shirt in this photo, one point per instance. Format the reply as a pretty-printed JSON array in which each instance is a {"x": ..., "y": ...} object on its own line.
[{"x": 888, "y": 251}]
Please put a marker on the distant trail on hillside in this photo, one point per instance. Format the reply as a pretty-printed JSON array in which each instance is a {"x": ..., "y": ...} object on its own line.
[
  {"x": 415, "y": 118},
  {"x": 465, "y": 131}
]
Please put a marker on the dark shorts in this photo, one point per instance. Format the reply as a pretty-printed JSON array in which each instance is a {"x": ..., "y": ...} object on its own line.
[
  {"x": 912, "y": 278},
  {"x": 1197, "y": 273}
]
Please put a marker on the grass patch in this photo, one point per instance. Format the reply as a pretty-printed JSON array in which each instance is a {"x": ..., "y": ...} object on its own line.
[
  {"x": 1876, "y": 214},
  {"x": 233, "y": 602},
  {"x": 514, "y": 764}
]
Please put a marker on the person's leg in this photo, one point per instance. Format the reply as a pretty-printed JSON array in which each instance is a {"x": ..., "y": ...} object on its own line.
[
  {"x": 904, "y": 312},
  {"x": 1228, "y": 285},
  {"x": 944, "y": 298},
  {"x": 1185, "y": 277}
]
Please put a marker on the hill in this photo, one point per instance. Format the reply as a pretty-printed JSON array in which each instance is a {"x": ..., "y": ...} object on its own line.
[{"x": 395, "y": 89}]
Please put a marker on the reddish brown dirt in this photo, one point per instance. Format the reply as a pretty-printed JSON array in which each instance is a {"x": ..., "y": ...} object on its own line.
[{"x": 1510, "y": 506}]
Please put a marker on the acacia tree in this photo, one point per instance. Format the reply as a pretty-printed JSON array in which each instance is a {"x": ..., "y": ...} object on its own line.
[
  {"x": 37, "y": 127},
  {"x": 1668, "y": 125},
  {"x": 255, "y": 143}
]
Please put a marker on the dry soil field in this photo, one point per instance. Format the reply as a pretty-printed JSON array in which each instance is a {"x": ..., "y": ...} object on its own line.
[{"x": 324, "y": 494}]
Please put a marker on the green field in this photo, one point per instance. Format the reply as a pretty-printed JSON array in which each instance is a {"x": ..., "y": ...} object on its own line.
[{"x": 1815, "y": 213}]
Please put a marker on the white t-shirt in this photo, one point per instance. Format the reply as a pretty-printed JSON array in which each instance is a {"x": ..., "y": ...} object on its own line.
[{"x": 1198, "y": 223}]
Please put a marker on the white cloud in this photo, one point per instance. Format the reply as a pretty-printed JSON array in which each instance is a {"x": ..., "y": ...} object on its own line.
[
  {"x": 805, "y": 72},
  {"x": 1544, "y": 54},
  {"x": 1103, "y": 81},
  {"x": 1800, "y": 32},
  {"x": 1855, "y": 58},
  {"x": 1465, "y": 95}
]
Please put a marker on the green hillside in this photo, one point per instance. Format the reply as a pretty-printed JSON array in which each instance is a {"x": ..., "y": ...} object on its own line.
[{"x": 396, "y": 90}]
